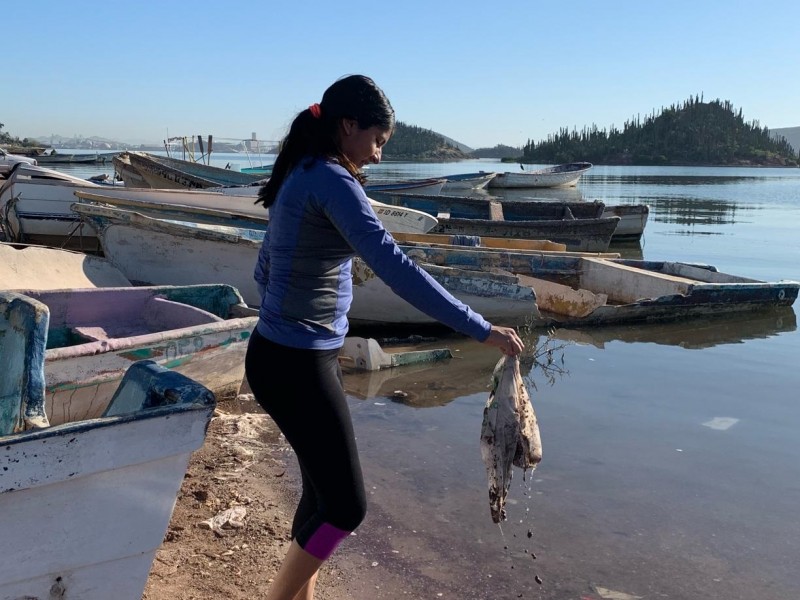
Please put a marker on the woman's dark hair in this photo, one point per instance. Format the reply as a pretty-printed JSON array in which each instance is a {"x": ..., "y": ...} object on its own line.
[{"x": 314, "y": 131}]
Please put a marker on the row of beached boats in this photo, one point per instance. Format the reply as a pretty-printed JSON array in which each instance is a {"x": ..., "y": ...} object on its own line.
[
  {"x": 212, "y": 235},
  {"x": 106, "y": 355},
  {"x": 43, "y": 196},
  {"x": 107, "y": 389},
  {"x": 143, "y": 169}
]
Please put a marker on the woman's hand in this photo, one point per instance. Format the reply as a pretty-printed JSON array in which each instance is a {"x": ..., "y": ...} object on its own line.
[{"x": 506, "y": 339}]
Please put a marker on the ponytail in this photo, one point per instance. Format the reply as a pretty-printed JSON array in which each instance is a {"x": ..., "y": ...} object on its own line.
[{"x": 314, "y": 132}]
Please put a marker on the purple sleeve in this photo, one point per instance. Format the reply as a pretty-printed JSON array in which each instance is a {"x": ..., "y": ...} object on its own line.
[{"x": 352, "y": 214}]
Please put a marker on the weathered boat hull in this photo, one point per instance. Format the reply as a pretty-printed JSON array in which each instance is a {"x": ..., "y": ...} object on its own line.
[
  {"x": 151, "y": 251},
  {"x": 465, "y": 207},
  {"x": 579, "y": 225},
  {"x": 633, "y": 217},
  {"x": 566, "y": 175},
  {"x": 468, "y": 181},
  {"x": 500, "y": 298},
  {"x": 50, "y": 159},
  {"x": 584, "y": 290},
  {"x": 37, "y": 203},
  {"x": 632, "y": 221},
  {"x": 86, "y": 504},
  {"x": 96, "y": 334},
  {"x": 579, "y": 235},
  {"x": 162, "y": 172},
  {"x": 420, "y": 186}
]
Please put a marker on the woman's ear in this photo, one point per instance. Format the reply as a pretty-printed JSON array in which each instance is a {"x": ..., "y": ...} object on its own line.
[{"x": 348, "y": 126}]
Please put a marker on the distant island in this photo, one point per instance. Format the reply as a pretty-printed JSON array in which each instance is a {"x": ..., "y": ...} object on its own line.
[{"x": 692, "y": 133}]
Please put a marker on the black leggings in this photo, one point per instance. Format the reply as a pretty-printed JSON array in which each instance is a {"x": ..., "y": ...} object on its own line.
[{"x": 302, "y": 391}]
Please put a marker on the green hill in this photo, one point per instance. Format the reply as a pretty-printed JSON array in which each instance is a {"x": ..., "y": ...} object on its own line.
[
  {"x": 499, "y": 152},
  {"x": 410, "y": 142},
  {"x": 693, "y": 133}
]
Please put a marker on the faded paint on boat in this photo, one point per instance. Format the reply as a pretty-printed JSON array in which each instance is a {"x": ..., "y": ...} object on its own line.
[
  {"x": 465, "y": 207},
  {"x": 499, "y": 297},
  {"x": 579, "y": 235},
  {"x": 635, "y": 290},
  {"x": 565, "y": 175},
  {"x": 86, "y": 504},
  {"x": 151, "y": 251},
  {"x": 96, "y": 334},
  {"x": 659, "y": 291},
  {"x": 163, "y": 172},
  {"x": 633, "y": 220},
  {"x": 23, "y": 335},
  {"x": 633, "y": 217},
  {"x": 468, "y": 181},
  {"x": 479, "y": 242},
  {"x": 560, "y": 299},
  {"x": 156, "y": 252}
]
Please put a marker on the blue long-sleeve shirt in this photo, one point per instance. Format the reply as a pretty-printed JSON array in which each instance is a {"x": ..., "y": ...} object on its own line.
[{"x": 319, "y": 221}]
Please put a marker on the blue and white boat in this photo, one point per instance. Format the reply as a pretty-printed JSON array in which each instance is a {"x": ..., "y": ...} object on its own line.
[{"x": 86, "y": 504}]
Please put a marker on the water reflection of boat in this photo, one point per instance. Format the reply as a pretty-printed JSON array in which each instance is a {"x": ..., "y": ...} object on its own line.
[
  {"x": 426, "y": 385},
  {"x": 694, "y": 334}
]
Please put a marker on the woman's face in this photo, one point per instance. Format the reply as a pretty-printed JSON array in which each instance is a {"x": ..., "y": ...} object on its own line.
[{"x": 363, "y": 146}]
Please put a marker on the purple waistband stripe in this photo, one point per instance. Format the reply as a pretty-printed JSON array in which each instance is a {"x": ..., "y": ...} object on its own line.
[{"x": 322, "y": 544}]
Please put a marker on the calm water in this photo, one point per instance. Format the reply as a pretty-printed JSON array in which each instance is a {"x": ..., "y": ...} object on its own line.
[{"x": 671, "y": 463}]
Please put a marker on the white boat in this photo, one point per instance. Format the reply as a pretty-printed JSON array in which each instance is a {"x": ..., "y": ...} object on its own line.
[
  {"x": 468, "y": 181},
  {"x": 432, "y": 185},
  {"x": 96, "y": 333},
  {"x": 198, "y": 253},
  {"x": 574, "y": 289},
  {"x": 566, "y": 175},
  {"x": 632, "y": 221},
  {"x": 164, "y": 172},
  {"x": 86, "y": 504},
  {"x": 35, "y": 206}
]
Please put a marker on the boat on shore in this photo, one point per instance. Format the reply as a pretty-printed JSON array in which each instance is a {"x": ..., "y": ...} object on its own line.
[
  {"x": 142, "y": 169},
  {"x": 137, "y": 245},
  {"x": 71, "y": 159},
  {"x": 99, "y": 324},
  {"x": 35, "y": 207},
  {"x": 583, "y": 230},
  {"x": 71, "y": 495},
  {"x": 574, "y": 290},
  {"x": 237, "y": 211},
  {"x": 579, "y": 235},
  {"x": 633, "y": 217},
  {"x": 467, "y": 207},
  {"x": 565, "y": 175}
]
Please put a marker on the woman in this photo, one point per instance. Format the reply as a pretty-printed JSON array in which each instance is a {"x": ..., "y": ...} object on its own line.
[{"x": 320, "y": 218}]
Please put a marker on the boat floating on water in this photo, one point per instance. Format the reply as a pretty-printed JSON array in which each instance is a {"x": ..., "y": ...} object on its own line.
[{"x": 565, "y": 175}]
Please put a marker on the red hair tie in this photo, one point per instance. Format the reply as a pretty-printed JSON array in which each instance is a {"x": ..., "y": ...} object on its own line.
[{"x": 316, "y": 110}]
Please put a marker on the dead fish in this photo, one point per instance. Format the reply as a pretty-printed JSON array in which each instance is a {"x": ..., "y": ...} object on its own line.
[{"x": 509, "y": 433}]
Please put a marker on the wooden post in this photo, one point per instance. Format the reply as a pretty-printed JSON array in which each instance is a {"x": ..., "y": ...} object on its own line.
[
  {"x": 200, "y": 142},
  {"x": 209, "y": 148}
]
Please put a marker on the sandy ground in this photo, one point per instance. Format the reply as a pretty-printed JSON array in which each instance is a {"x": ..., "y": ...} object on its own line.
[{"x": 230, "y": 526}]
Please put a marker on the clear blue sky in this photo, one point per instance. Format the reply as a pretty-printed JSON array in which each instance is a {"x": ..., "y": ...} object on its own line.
[{"x": 483, "y": 73}]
